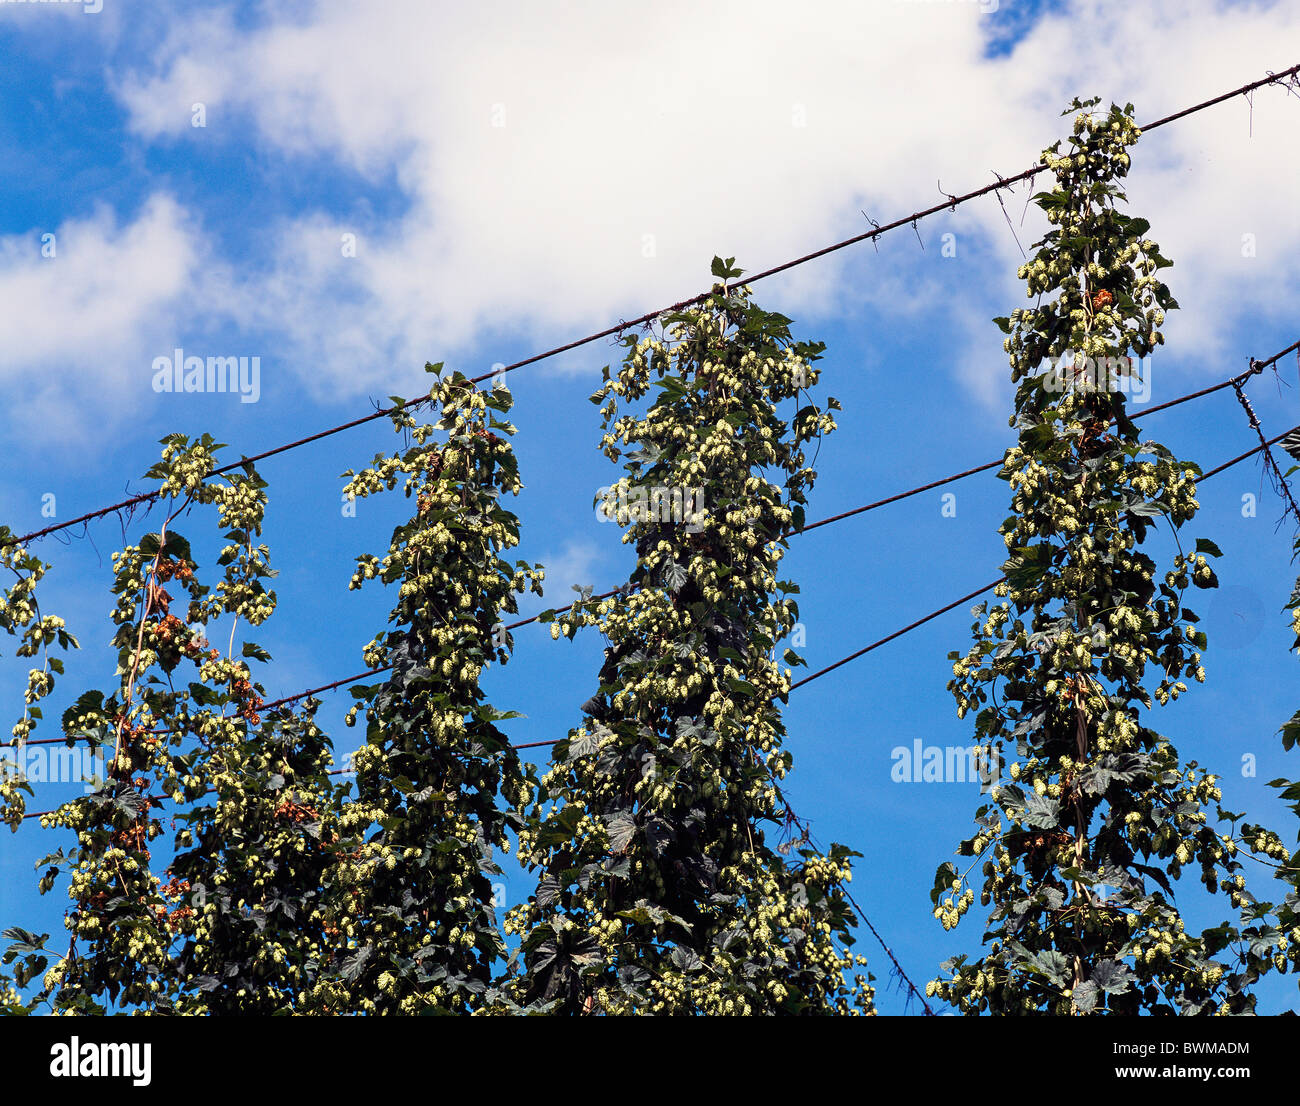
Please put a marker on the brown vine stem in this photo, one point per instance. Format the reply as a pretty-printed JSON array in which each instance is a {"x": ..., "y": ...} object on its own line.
[{"x": 149, "y": 593}]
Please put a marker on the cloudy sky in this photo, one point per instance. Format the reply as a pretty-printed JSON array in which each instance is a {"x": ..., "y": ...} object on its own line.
[{"x": 346, "y": 191}]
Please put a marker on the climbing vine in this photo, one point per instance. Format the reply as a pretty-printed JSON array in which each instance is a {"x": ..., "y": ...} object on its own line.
[
  {"x": 161, "y": 744},
  {"x": 1287, "y": 913},
  {"x": 662, "y": 888},
  {"x": 20, "y": 616},
  {"x": 411, "y": 903},
  {"x": 1080, "y": 850},
  {"x": 220, "y": 866}
]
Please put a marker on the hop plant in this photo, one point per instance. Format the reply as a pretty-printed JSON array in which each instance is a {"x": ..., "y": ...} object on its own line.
[
  {"x": 410, "y": 901},
  {"x": 125, "y": 933},
  {"x": 662, "y": 886},
  {"x": 1079, "y": 852},
  {"x": 1285, "y": 915},
  {"x": 21, "y": 617}
]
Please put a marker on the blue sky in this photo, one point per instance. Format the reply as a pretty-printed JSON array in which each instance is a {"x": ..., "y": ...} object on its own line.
[{"x": 513, "y": 178}]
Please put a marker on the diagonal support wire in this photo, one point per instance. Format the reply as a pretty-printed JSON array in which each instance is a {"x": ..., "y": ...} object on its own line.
[
  {"x": 898, "y": 968},
  {"x": 1278, "y": 480}
]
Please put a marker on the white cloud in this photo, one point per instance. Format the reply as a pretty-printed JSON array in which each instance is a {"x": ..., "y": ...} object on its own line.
[
  {"x": 1206, "y": 181},
  {"x": 625, "y": 158},
  {"x": 633, "y": 149},
  {"x": 576, "y": 564},
  {"x": 80, "y": 322},
  {"x": 35, "y": 14}
]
